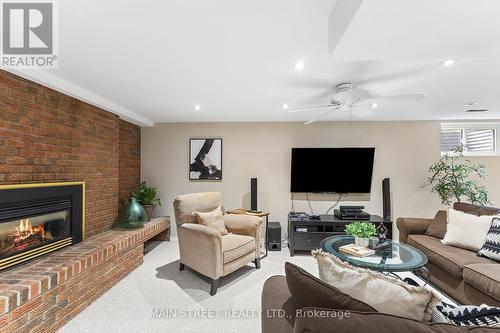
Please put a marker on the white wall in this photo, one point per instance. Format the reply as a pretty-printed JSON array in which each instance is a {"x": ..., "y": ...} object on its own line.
[{"x": 404, "y": 152}]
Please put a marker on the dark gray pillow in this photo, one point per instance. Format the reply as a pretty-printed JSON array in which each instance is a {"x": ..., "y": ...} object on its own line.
[
  {"x": 438, "y": 226},
  {"x": 491, "y": 249}
]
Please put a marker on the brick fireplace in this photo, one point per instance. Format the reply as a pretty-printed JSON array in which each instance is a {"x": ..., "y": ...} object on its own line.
[
  {"x": 48, "y": 137},
  {"x": 36, "y": 219},
  {"x": 43, "y": 294}
]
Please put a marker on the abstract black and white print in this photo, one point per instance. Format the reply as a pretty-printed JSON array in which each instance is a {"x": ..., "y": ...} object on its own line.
[
  {"x": 205, "y": 159},
  {"x": 491, "y": 249}
]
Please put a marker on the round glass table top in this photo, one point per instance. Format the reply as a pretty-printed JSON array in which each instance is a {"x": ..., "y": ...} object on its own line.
[{"x": 396, "y": 257}]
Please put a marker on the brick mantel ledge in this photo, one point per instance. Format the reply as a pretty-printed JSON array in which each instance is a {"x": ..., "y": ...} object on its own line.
[{"x": 45, "y": 293}]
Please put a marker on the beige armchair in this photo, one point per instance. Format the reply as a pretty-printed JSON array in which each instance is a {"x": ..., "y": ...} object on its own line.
[{"x": 204, "y": 249}]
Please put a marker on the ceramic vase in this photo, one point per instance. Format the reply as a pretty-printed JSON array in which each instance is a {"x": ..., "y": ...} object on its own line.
[{"x": 133, "y": 215}]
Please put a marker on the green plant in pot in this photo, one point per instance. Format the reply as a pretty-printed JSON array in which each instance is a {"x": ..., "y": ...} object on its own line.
[
  {"x": 148, "y": 198},
  {"x": 361, "y": 231},
  {"x": 453, "y": 177}
]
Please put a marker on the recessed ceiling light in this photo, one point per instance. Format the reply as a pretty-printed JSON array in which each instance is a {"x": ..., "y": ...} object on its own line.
[
  {"x": 375, "y": 105},
  {"x": 447, "y": 62},
  {"x": 299, "y": 66},
  {"x": 197, "y": 107},
  {"x": 285, "y": 106}
]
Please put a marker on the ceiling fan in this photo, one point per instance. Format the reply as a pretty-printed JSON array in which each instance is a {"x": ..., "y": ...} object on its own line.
[{"x": 348, "y": 96}]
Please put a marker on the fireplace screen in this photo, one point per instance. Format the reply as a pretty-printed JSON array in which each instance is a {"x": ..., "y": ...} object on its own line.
[
  {"x": 24, "y": 234},
  {"x": 36, "y": 219}
]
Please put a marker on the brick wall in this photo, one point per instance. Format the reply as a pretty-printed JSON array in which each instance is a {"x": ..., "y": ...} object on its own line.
[
  {"x": 46, "y": 136},
  {"x": 130, "y": 160}
]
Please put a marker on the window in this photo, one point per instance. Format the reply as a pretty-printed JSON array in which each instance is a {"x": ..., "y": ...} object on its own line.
[
  {"x": 450, "y": 139},
  {"x": 477, "y": 139}
]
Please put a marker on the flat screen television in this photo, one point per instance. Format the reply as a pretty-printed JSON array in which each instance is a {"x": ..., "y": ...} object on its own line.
[{"x": 332, "y": 170}]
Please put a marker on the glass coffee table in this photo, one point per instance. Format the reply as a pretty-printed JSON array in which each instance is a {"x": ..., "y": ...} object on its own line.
[{"x": 396, "y": 257}]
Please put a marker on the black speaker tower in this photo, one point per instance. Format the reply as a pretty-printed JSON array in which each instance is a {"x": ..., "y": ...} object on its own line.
[
  {"x": 386, "y": 198},
  {"x": 253, "y": 194}
]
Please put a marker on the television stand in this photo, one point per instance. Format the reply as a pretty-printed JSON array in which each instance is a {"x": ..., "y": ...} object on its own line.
[{"x": 306, "y": 234}]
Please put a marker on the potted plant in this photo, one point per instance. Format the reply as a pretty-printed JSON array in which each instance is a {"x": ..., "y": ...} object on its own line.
[
  {"x": 362, "y": 232},
  {"x": 148, "y": 198},
  {"x": 454, "y": 177}
]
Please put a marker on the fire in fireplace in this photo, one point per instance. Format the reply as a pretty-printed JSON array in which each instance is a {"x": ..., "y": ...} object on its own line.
[
  {"x": 40, "y": 218},
  {"x": 22, "y": 234}
]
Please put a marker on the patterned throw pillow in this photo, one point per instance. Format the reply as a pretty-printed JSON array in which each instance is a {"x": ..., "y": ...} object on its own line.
[
  {"x": 491, "y": 249},
  {"x": 212, "y": 219},
  {"x": 466, "y": 315}
]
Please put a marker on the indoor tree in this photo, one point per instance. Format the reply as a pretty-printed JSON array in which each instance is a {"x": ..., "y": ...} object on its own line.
[{"x": 453, "y": 177}]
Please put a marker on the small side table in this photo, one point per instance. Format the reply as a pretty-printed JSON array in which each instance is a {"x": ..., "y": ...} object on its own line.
[{"x": 242, "y": 211}]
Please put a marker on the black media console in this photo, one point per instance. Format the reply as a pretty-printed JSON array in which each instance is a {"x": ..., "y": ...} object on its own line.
[{"x": 305, "y": 234}]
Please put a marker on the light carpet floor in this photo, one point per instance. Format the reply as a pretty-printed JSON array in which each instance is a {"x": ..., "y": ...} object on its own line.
[{"x": 157, "y": 297}]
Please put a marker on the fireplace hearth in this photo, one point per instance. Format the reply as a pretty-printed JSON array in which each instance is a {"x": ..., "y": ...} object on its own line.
[{"x": 36, "y": 219}]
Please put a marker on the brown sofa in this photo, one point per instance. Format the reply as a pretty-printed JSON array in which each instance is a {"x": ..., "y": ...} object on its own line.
[
  {"x": 281, "y": 313},
  {"x": 459, "y": 273}
]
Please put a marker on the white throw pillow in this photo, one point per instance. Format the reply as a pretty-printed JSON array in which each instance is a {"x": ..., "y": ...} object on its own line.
[
  {"x": 386, "y": 295},
  {"x": 466, "y": 230}
]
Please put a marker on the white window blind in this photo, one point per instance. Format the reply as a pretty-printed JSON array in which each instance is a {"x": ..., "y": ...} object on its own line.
[
  {"x": 450, "y": 140},
  {"x": 480, "y": 140},
  {"x": 474, "y": 139}
]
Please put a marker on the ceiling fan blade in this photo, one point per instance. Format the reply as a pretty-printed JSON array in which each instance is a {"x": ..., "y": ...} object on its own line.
[
  {"x": 398, "y": 97},
  {"x": 409, "y": 74},
  {"x": 362, "y": 107},
  {"x": 311, "y": 108},
  {"x": 345, "y": 108},
  {"x": 315, "y": 119},
  {"x": 321, "y": 96},
  {"x": 310, "y": 83}
]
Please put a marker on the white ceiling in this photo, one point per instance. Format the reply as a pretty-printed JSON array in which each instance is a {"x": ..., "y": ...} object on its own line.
[{"x": 152, "y": 61}]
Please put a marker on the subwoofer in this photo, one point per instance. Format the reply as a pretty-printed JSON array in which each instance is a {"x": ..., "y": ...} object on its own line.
[
  {"x": 386, "y": 198},
  {"x": 274, "y": 236}
]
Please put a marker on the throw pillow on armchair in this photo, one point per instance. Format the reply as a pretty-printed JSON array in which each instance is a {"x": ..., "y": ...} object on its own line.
[{"x": 212, "y": 219}]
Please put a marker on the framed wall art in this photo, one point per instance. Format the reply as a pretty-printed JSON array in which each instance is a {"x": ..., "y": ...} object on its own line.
[{"x": 205, "y": 159}]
